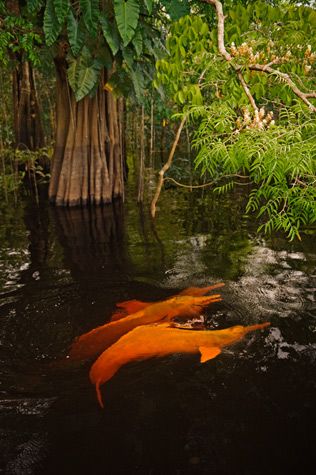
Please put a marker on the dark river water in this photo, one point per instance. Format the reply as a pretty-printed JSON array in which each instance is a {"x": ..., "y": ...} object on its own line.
[{"x": 249, "y": 411}]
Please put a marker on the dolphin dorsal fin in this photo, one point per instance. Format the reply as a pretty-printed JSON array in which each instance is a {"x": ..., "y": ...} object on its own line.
[{"x": 208, "y": 353}]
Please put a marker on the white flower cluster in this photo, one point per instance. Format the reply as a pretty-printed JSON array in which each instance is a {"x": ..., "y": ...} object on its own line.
[{"x": 259, "y": 119}]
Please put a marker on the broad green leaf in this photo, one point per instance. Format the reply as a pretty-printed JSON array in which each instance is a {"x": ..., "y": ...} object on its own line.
[
  {"x": 61, "y": 9},
  {"x": 138, "y": 42},
  {"x": 138, "y": 84},
  {"x": 72, "y": 73},
  {"x": 51, "y": 25},
  {"x": 128, "y": 56},
  {"x": 90, "y": 12},
  {"x": 126, "y": 16},
  {"x": 88, "y": 77},
  {"x": 110, "y": 34},
  {"x": 75, "y": 35}
]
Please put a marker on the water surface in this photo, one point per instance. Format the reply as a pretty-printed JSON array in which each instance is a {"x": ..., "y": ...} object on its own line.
[{"x": 249, "y": 411}]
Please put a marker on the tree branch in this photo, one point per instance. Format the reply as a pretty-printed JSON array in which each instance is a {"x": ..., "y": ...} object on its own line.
[
  {"x": 302, "y": 95},
  {"x": 166, "y": 167},
  {"x": 247, "y": 91},
  {"x": 266, "y": 68},
  {"x": 220, "y": 27},
  {"x": 223, "y": 51}
]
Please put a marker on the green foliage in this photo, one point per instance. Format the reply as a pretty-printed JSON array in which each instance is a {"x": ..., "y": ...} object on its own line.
[
  {"x": 61, "y": 9},
  {"x": 100, "y": 33},
  {"x": 176, "y": 8},
  {"x": 183, "y": 69},
  {"x": 34, "y": 6},
  {"x": 110, "y": 33},
  {"x": 83, "y": 73},
  {"x": 272, "y": 150},
  {"x": 149, "y": 6},
  {"x": 279, "y": 162},
  {"x": 51, "y": 25},
  {"x": 17, "y": 37},
  {"x": 126, "y": 16},
  {"x": 90, "y": 13},
  {"x": 75, "y": 33},
  {"x": 17, "y": 165}
]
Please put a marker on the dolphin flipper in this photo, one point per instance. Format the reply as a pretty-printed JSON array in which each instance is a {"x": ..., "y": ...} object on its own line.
[{"x": 208, "y": 353}]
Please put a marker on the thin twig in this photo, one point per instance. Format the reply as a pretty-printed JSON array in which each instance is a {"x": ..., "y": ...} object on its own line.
[
  {"x": 166, "y": 167},
  {"x": 303, "y": 96}
]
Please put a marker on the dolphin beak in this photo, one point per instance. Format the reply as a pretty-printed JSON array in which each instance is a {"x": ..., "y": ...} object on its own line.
[{"x": 258, "y": 326}]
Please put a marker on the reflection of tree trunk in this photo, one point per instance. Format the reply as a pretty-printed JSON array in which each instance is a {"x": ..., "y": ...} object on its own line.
[
  {"x": 37, "y": 223},
  {"x": 88, "y": 162},
  {"x": 92, "y": 239}
]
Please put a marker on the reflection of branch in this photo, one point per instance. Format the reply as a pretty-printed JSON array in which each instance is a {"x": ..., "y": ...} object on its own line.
[
  {"x": 266, "y": 68},
  {"x": 210, "y": 183},
  {"x": 166, "y": 167}
]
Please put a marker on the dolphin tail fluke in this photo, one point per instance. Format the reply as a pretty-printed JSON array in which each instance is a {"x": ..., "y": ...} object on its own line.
[{"x": 99, "y": 395}]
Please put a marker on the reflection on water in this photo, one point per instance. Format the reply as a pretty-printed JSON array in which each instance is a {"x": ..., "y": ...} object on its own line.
[{"x": 251, "y": 411}]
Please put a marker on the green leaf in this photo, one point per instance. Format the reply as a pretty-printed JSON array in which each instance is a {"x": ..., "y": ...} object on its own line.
[
  {"x": 83, "y": 74},
  {"x": 149, "y": 6},
  {"x": 34, "y": 6},
  {"x": 126, "y": 16},
  {"x": 110, "y": 33},
  {"x": 88, "y": 77},
  {"x": 138, "y": 42},
  {"x": 72, "y": 72},
  {"x": 138, "y": 84},
  {"x": 61, "y": 9},
  {"x": 90, "y": 12},
  {"x": 176, "y": 8},
  {"x": 128, "y": 56},
  {"x": 312, "y": 18},
  {"x": 75, "y": 34},
  {"x": 51, "y": 25}
]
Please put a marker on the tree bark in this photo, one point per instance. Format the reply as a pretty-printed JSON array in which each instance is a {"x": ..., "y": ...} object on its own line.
[
  {"x": 27, "y": 122},
  {"x": 87, "y": 163}
]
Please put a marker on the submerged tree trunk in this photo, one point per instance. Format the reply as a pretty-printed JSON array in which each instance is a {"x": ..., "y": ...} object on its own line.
[{"x": 88, "y": 162}]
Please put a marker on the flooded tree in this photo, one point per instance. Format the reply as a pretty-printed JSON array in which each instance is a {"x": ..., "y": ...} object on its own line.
[{"x": 100, "y": 52}]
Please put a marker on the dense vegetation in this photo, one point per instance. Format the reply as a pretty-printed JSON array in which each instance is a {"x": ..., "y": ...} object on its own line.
[{"x": 239, "y": 77}]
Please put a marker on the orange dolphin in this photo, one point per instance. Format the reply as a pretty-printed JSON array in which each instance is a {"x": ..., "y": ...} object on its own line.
[
  {"x": 159, "y": 340},
  {"x": 132, "y": 306},
  {"x": 97, "y": 340}
]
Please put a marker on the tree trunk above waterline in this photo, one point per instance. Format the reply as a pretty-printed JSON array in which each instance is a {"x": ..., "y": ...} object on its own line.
[{"x": 88, "y": 161}]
